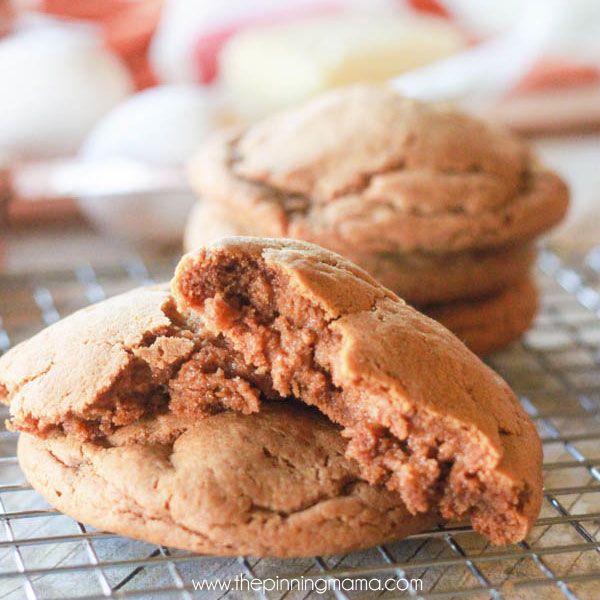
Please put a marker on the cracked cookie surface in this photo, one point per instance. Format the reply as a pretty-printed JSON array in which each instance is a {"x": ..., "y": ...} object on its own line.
[
  {"x": 362, "y": 168},
  {"x": 273, "y": 483}
]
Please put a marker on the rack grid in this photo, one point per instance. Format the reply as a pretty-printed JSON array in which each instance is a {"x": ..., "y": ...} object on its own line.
[{"x": 554, "y": 370}]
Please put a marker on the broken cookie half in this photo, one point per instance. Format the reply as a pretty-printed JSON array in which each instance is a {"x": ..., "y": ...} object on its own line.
[{"x": 253, "y": 321}]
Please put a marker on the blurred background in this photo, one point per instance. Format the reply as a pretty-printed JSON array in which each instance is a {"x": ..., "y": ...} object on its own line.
[{"x": 103, "y": 101}]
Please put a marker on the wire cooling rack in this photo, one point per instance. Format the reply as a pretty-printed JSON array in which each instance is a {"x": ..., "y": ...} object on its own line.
[{"x": 555, "y": 370}]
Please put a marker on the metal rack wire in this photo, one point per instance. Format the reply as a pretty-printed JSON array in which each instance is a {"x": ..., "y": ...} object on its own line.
[{"x": 44, "y": 554}]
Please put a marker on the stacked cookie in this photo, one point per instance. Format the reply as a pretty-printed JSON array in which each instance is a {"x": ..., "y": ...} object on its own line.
[
  {"x": 438, "y": 206},
  {"x": 180, "y": 417}
]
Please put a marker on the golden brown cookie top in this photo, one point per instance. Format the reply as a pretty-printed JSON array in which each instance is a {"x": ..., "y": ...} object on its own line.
[
  {"x": 338, "y": 143},
  {"x": 367, "y": 167}
]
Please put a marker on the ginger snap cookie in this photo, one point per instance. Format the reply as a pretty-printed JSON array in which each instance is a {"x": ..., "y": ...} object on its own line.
[
  {"x": 274, "y": 483},
  {"x": 421, "y": 196},
  {"x": 252, "y": 321}
]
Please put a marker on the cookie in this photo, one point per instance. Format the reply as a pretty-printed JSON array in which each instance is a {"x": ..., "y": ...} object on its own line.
[
  {"x": 254, "y": 320},
  {"x": 417, "y": 277},
  {"x": 363, "y": 168},
  {"x": 275, "y": 483},
  {"x": 488, "y": 324},
  {"x": 421, "y": 412}
]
